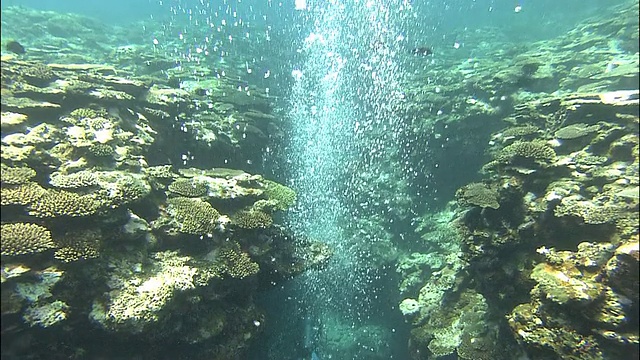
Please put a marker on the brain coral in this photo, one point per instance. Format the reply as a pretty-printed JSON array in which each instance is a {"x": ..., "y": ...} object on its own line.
[
  {"x": 56, "y": 203},
  {"x": 25, "y": 238},
  {"x": 194, "y": 216}
]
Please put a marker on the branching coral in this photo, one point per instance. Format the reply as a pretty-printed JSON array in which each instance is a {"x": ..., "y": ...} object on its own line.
[
  {"x": 535, "y": 150},
  {"x": 25, "y": 238},
  {"x": 237, "y": 263},
  {"x": 80, "y": 179}
]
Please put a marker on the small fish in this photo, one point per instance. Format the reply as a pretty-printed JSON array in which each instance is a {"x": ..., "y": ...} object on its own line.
[
  {"x": 422, "y": 51},
  {"x": 15, "y": 47}
]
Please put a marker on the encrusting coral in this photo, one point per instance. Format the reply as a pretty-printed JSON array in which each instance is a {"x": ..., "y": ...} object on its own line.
[{"x": 25, "y": 238}]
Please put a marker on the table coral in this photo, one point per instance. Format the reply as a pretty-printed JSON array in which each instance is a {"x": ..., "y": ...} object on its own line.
[
  {"x": 25, "y": 238},
  {"x": 188, "y": 187},
  {"x": 478, "y": 194},
  {"x": 56, "y": 203},
  {"x": 252, "y": 219},
  {"x": 23, "y": 194},
  {"x": 16, "y": 175},
  {"x": 193, "y": 216}
]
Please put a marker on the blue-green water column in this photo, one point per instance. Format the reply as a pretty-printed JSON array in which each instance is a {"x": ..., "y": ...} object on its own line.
[{"x": 346, "y": 137}]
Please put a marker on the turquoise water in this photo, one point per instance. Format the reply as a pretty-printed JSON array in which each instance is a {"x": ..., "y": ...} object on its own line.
[{"x": 377, "y": 114}]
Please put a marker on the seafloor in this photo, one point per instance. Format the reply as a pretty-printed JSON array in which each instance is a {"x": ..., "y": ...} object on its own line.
[{"x": 113, "y": 249}]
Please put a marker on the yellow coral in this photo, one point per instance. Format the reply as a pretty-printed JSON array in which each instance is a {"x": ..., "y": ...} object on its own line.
[{"x": 25, "y": 238}]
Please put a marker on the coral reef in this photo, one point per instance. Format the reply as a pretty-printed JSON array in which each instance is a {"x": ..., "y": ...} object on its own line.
[{"x": 25, "y": 238}]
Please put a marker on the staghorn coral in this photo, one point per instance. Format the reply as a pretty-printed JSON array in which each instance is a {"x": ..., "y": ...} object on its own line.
[
  {"x": 193, "y": 216},
  {"x": 535, "y": 150},
  {"x": 25, "y": 238},
  {"x": 16, "y": 175},
  {"x": 23, "y": 194},
  {"x": 252, "y": 219},
  {"x": 78, "y": 245},
  {"x": 55, "y": 203},
  {"x": 80, "y": 179},
  {"x": 478, "y": 194},
  {"x": 284, "y": 196},
  {"x": 188, "y": 187}
]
